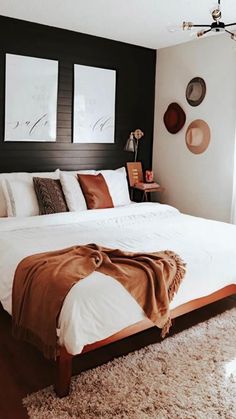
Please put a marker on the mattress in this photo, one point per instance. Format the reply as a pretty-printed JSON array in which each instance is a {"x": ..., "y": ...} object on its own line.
[{"x": 98, "y": 306}]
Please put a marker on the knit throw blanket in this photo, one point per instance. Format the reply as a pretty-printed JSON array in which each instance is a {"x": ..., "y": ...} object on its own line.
[{"x": 42, "y": 282}]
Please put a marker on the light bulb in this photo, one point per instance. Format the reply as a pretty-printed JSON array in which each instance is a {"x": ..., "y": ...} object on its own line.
[
  {"x": 216, "y": 14},
  {"x": 187, "y": 26},
  {"x": 233, "y": 36},
  {"x": 201, "y": 33}
]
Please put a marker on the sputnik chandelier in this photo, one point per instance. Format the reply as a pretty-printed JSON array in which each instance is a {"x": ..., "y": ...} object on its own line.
[{"x": 216, "y": 26}]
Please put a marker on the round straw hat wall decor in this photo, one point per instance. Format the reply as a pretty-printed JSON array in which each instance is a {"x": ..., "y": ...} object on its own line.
[
  {"x": 195, "y": 91},
  {"x": 198, "y": 136}
]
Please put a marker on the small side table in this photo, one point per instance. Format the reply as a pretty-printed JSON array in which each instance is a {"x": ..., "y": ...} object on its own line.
[{"x": 146, "y": 188}]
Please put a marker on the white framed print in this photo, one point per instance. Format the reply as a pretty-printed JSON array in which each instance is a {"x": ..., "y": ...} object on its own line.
[
  {"x": 30, "y": 98},
  {"x": 94, "y": 105}
]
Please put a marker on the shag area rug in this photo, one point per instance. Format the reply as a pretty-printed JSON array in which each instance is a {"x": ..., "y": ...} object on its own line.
[{"x": 191, "y": 375}]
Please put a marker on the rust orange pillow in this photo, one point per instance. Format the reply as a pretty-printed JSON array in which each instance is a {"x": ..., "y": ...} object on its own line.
[{"x": 95, "y": 191}]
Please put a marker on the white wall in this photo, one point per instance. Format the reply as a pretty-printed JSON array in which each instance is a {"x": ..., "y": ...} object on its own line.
[{"x": 197, "y": 184}]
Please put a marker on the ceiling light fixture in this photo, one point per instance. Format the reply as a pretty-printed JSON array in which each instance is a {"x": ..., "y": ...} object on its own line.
[{"x": 216, "y": 26}]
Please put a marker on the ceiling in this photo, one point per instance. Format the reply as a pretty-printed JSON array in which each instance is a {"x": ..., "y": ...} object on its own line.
[{"x": 139, "y": 22}]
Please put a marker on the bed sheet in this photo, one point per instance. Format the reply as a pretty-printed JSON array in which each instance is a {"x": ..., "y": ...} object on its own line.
[{"x": 98, "y": 306}]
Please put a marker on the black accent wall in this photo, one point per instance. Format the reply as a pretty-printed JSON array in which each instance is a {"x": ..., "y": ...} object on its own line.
[{"x": 135, "y": 90}]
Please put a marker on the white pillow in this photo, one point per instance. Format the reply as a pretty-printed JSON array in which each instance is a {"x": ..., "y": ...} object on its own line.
[
  {"x": 18, "y": 192},
  {"x": 117, "y": 184},
  {"x": 20, "y": 198},
  {"x": 71, "y": 188},
  {"x": 3, "y": 205}
]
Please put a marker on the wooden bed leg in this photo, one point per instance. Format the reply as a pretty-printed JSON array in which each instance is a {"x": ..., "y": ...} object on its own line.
[{"x": 63, "y": 373}]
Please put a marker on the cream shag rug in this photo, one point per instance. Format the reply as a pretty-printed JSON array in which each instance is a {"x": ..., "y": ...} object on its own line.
[{"x": 191, "y": 375}]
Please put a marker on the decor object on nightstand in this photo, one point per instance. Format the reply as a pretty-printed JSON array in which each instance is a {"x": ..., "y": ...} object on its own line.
[
  {"x": 149, "y": 176},
  {"x": 198, "y": 136},
  {"x": 136, "y": 181},
  {"x": 195, "y": 91},
  {"x": 174, "y": 118},
  {"x": 133, "y": 142}
]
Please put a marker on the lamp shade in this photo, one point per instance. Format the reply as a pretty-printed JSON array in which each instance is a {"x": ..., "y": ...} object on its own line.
[
  {"x": 133, "y": 142},
  {"x": 129, "y": 146}
]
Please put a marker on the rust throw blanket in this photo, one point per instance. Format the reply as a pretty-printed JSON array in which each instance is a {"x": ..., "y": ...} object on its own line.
[{"x": 42, "y": 282}]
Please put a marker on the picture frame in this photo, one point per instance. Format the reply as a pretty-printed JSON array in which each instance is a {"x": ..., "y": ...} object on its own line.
[
  {"x": 94, "y": 104},
  {"x": 31, "y": 86}
]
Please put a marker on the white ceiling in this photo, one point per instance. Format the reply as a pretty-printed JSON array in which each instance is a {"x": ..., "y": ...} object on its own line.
[{"x": 140, "y": 22}]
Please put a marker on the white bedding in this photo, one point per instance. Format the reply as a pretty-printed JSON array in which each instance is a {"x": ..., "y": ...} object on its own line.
[{"x": 98, "y": 306}]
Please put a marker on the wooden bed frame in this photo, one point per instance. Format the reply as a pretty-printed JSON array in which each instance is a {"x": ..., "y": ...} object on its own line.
[{"x": 64, "y": 359}]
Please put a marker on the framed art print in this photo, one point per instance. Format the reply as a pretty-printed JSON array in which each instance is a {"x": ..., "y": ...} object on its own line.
[
  {"x": 30, "y": 98},
  {"x": 94, "y": 105}
]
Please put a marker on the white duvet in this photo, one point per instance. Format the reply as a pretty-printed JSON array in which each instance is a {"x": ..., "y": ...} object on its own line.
[{"x": 98, "y": 306}]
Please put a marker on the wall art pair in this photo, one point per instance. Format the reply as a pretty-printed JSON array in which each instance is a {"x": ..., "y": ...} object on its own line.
[{"x": 31, "y": 101}]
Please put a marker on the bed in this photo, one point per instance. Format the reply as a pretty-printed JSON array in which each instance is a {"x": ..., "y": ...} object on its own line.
[{"x": 98, "y": 310}]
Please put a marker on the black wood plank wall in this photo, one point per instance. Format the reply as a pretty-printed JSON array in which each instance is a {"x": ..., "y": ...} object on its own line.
[{"x": 135, "y": 91}]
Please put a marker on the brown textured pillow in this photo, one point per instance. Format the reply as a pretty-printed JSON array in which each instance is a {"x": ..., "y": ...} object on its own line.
[
  {"x": 50, "y": 195},
  {"x": 95, "y": 191}
]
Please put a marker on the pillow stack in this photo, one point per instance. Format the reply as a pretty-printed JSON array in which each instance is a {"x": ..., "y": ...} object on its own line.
[
  {"x": 116, "y": 181},
  {"x": 72, "y": 191},
  {"x": 29, "y": 194},
  {"x": 17, "y": 194}
]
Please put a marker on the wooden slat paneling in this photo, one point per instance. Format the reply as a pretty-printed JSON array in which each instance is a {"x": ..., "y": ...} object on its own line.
[{"x": 135, "y": 68}]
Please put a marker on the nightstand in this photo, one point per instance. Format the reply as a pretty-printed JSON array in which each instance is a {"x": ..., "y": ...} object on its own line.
[
  {"x": 135, "y": 176},
  {"x": 147, "y": 188}
]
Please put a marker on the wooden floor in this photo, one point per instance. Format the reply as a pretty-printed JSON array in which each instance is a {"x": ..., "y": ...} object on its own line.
[{"x": 23, "y": 369}]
